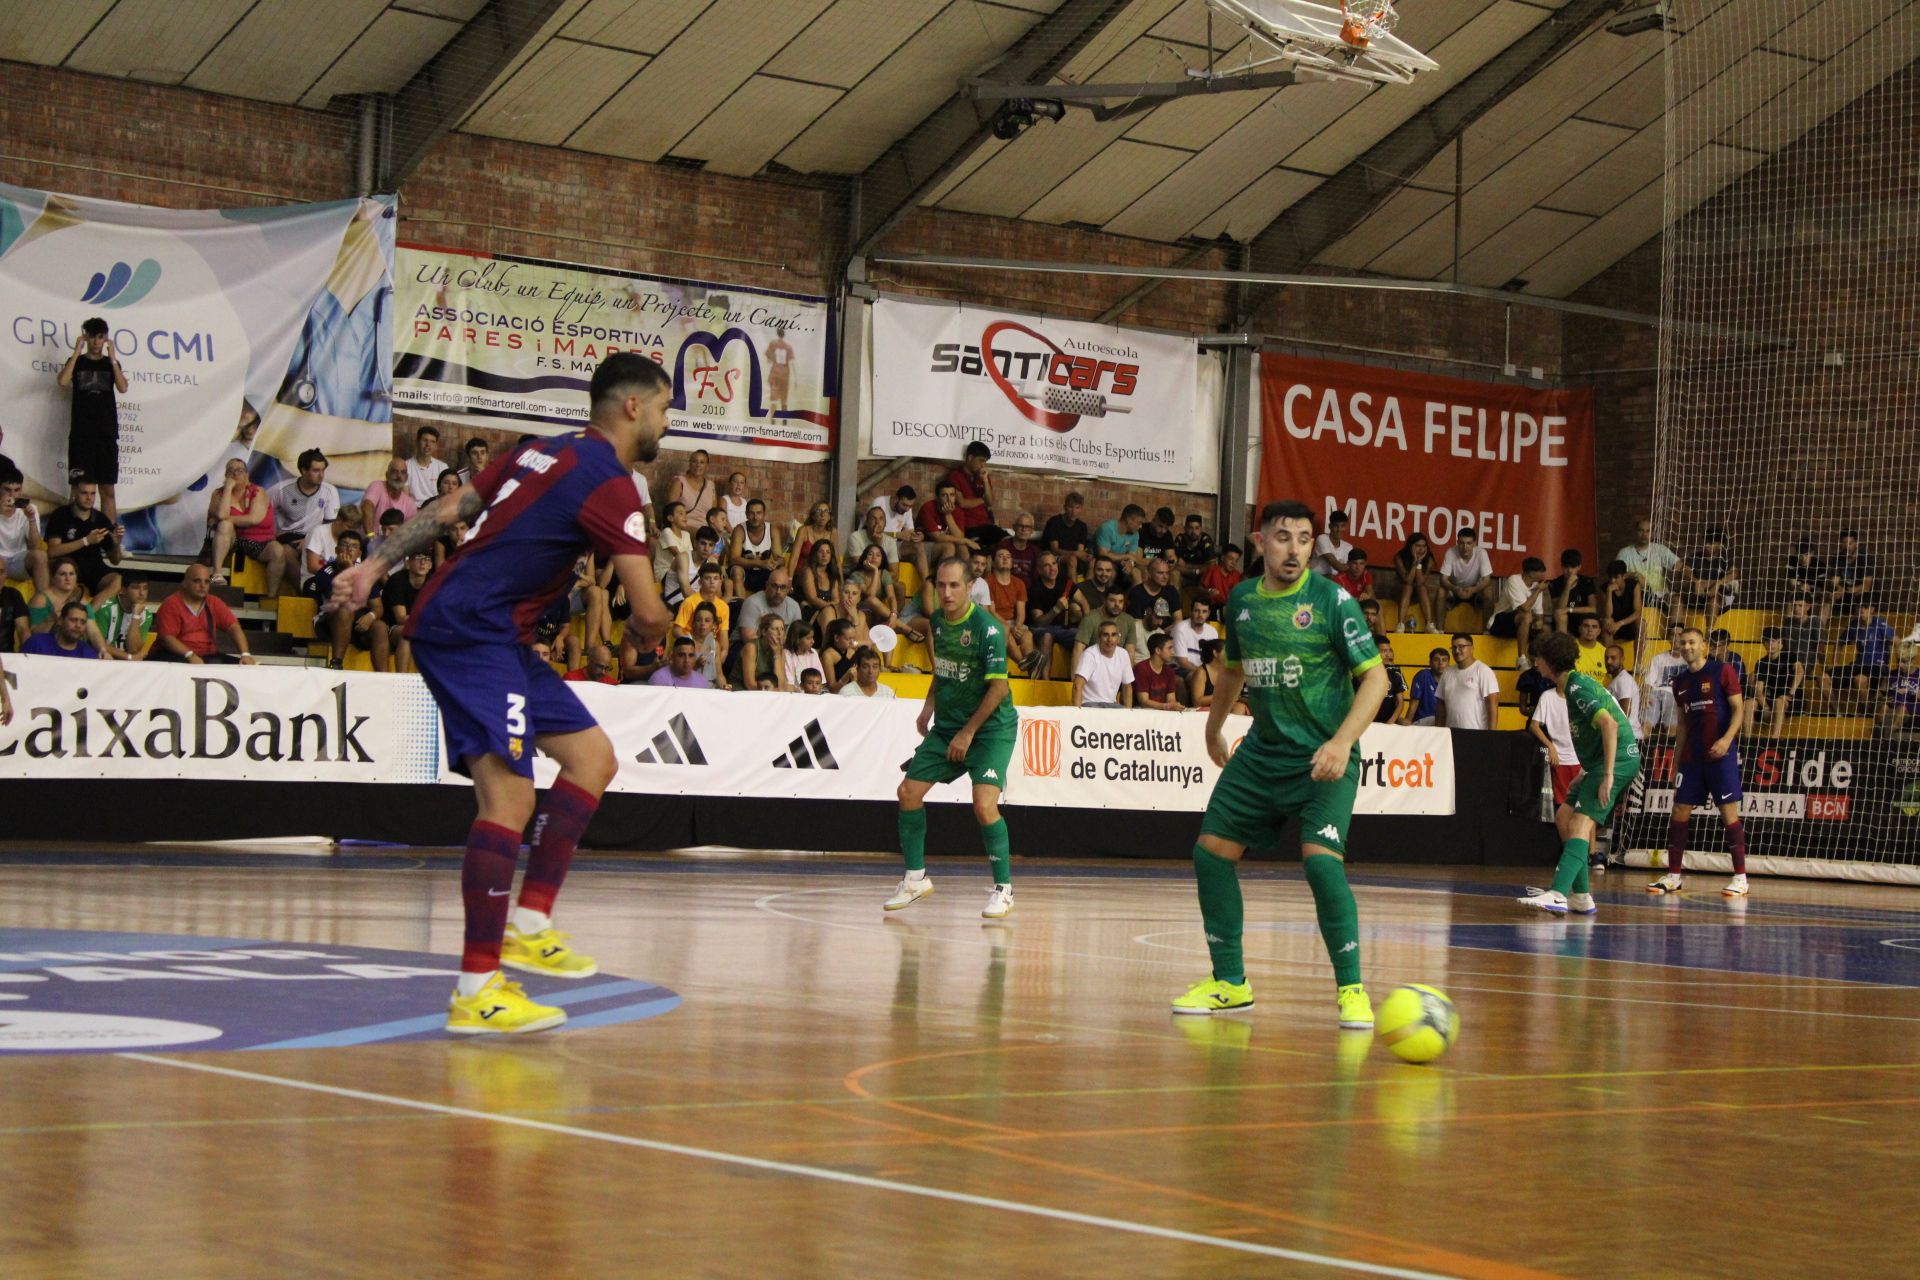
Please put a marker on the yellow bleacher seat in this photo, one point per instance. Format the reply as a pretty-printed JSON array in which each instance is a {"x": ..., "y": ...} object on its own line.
[
  {"x": 908, "y": 575},
  {"x": 1745, "y": 624},
  {"x": 249, "y": 576},
  {"x": 913, "y": 653},
  {"x": 23, "y": 585},
  {"x": 1026, "y": 693},
  {"x": 295, "y": 616}
]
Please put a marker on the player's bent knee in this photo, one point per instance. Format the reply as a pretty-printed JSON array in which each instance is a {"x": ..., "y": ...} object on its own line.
[{"x": 1222, "y": 848}]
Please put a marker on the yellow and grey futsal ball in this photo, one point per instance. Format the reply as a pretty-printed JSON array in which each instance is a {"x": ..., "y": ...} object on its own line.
[{"x": 1417, "y": 1023}]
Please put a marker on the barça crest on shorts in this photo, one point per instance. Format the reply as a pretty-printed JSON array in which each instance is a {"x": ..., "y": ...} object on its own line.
[
  {"x": 1303, "y": 617},
  {"x": 516, "y": 748}
]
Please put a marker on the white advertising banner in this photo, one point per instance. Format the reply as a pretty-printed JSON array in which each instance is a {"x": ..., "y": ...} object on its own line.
[
  {"x": 1044, "y": 394},
  {"x": 115, "y": 720}
]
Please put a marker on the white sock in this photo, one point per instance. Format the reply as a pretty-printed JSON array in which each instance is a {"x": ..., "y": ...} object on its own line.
[
  {"x": 528, "y": 921},
  {"x": 470, "y": 983},
  {"x": 917, "y": 876}
]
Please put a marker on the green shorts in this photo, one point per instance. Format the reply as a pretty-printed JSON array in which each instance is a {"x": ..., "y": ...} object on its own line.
[
  {"x": 987, "y": 759},
  {"x": 1584, "y": 799},
  {"x": 1259, "y": 790}
]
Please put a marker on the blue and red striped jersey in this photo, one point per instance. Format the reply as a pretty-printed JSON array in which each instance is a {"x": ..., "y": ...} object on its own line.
[
  {"x": 548, "y": 502},
  {"x": 1703, "y": 698}
]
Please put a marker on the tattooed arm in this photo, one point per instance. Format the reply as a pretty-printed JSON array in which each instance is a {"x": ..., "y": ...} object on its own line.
[{"x": 351, "y": 588}]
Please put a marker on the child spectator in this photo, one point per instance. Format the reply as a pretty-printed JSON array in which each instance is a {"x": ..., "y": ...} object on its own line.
[
  {"x": 1354, "y": 576},
  {"x": 1574, "y": 595},
  {"x": 1156, "y": 682},
  {"x": 710, "y": 593},
  {"x": 1413, "y": 563},
  {"x": 1720, "y": 649},
  {"x": 1521, "y": 610},
  {"x": 799, "y": 656},
  {"x": 1331, "y": 549},
  {"x": 1777, "y": 678},
  {"x": 1425, "y": 690}
]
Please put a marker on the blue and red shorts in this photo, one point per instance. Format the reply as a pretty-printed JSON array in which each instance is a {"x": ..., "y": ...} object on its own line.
[
  {"x": 496, "y": 700},
  {"x": 1697, "y": 782}
]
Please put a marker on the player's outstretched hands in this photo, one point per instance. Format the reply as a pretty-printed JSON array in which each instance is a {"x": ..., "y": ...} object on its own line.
[
  {"x": 353, "y": 586},
  {"x": 1217, "y": 749},
  {"x": 1330, "y": 761}
]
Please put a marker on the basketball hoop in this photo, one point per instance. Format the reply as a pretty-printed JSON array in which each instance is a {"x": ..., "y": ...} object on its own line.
[{"x": 1366, "y": 20}]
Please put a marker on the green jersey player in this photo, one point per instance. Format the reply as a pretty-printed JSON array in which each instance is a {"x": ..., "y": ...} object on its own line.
[
  {"x": 1609, "y": 759},
  {"x": 1295, "y": 645},
  {"x": 968, "y": 726}
]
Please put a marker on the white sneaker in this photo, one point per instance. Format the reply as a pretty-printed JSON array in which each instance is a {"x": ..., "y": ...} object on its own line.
[
  {"x": 1668, "y": 883},
  {"x": 1581, "y": 904},
  {"x": 909, "y": 892},
  {"x": 999, "y": 902},
  {"x": 1736, "y": 887},
  {"x": 1548, "y": 900}
]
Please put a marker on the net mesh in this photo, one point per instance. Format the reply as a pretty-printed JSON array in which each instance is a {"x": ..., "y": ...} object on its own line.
[
  {"x": 1787, "y": 395},
  {"x": 1366, "y": 20}
]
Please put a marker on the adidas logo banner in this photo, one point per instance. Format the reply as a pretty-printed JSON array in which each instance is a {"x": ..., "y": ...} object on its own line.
[{"x": 808, "y": 751}]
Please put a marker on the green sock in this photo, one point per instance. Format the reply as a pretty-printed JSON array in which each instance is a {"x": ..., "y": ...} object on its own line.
[
  {"x": 913, "y": 838},
  {"x": 994, "y": 836},
  {"x": 1222, "y": 912},
  {"x": 1339, "y": 917},
  {"x": 1581, "y": 881},
  {"x": 1573, "y": 867}
]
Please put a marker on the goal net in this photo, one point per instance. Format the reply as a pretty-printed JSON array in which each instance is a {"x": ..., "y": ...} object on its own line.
[{"x": 1788, "y": 424}]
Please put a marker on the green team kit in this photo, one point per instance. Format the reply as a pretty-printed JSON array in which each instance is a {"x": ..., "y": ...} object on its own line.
[
  {"x": 966, "y": 655},
  {"x": 1587, "y": 701}
]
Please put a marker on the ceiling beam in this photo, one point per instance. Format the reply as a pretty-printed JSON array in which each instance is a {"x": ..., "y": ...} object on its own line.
[
  {"x": 1314, "y": 223},
  {"x": 452, "y": 83},
  {"x": 906, "y": 171}
]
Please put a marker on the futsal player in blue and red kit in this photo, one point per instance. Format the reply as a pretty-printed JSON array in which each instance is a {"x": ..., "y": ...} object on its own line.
[
  {"x": 530, "y": 515},
  {"x": 1706, "y": 759}
]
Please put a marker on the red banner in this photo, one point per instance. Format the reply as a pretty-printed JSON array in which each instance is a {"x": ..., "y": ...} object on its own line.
[{"x": 1406, "y": 453}]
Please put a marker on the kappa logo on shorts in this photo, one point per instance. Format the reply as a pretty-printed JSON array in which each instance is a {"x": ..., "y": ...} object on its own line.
[
  {"x": 674, "y": 744},
  {"x": 1328, "y": 832},
  {"x": 808, "y": 751},
  {"x": 1246, "y": 615}
]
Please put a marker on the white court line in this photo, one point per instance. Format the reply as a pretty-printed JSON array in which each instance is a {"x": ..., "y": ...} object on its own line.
[{"x": 810, "y": 1171}]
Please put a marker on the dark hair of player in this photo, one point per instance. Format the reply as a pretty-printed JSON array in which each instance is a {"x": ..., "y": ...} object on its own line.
[
  {"x": 622, "y": 374},
  {"x": 1559, "y": 651},
  {"x": 1274, "y": 512}
]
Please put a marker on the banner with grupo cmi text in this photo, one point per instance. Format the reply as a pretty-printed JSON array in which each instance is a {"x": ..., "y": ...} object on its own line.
[{"x": 1405, "y": 453}]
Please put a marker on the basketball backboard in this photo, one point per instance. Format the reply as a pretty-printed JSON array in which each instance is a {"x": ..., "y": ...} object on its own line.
[{"x": 1308, "y": 36}]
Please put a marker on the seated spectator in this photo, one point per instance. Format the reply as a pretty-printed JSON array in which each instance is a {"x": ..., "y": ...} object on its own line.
[
  {"x": 1720, "y": 649},
  {"x": 1776, "y": 683},
  {"x": 1090, "y": 595},
  {"x": 1053, "y": 613},
  {"x": 1103, "y": 675},
  {"x": 1528, "y": 688},
  {"x": 445, "y": 487},
  {"x": 1593, "y": 653},
  {"x": 1156, "y": 535},
  {"x": 818, "y": 528},
  {"x": 1651, "y": 562},
  {"x": 23, "y": 552},
  {"x": 902, "y": 525},
  {"x": 304, "y": 502},
  {"x": 1394, "y": 706},
  {"x": 1465, "y": 576},
  {"x": 1621, "y": 605},
  {"x": 1007, "y": 596},
  {"x": 1469, "y": 691},
  {"x": 1156, "y": 601},
  {"x": 973, "y": 506},
  {"x": 600, "y": 668},
  {"x": 14, "y": 624},
  {"x": 762, "y": 666},
  {"x": 1712, "y": 578},
  {"x": 1520, "y": 612},
  {"x": 364, "y": 628},
  {"x": 1659, "y": 712},
  {"x": 1553, "y": 729},
  {"x": 190, "y": 622},
  {"x": 693, "y": 487},
  {"x": 63, "y": 588},
  {"x": 636, "y": 665},
  {"x": 716, "y": 523},
  {"x": 318, "y": 548},
  {"x": 67, "y": 638},
  {"x": 1331, "y": 548},
  {"x": 389, "y": 494},
  {"x": 1872, "y": 641},
  {"x": 1026, "y": 552},
  {"x": 1207, "y": 677},
  {"x": 1575, "y": 596},
  {"x": 1156, "y": 682},
  {"x": 1802, "y": 634},
  {"x": 78, "y": 531},
  {"x": 1370, "y": 610},
  {"x": 710, "y": 593},
  {"x": 1133, "y": 636},
  {"x": 1193, "y": 554},
  {"x": 812, "y": 682},
  {"x": 1190, "y": 633},
  {"x": 939, "y": 526},
  {"x": 735, "y": 499},
  {"x": 673, "y": 562},
  {"x": 390, "y": 522},
  {"x": 1355, "y": 578},
  {"x": 1899, "y": 710},
  {"x": 799, "y": 656},
  {"x": 818, "y": 579},
  {"x": 1120, "y": 539},
  {"x": 1219, "y": 579},
  {"x": 1806, "y": 573},
  {"x": 866, "y": 677},
  {"x": 847, "y": 607},
  {"x": 709, "y": 646},
  {"x": 124, "y": 623},
  {"x": 872, "y": 534},
  {"x": 1620, "y": 682},
  {"x": 1425, "y": 691},
  {"x": 478, "y": 454},
  {"x": 1850, "y": 575},
  {"x": 1066, "y": 536},
  {"x": 541, "y": 650},
  {"x": 836, "y": 654},
  {"x": 775, "y": 598},
  {"x": 425, "y": 468},
  {"x": 682, "y": 670},
  {"x": 400, "y": 593},
  {"x": 1413, "y": 565},
  {"x": 978, "y": 566},
  {"x": 554, "y": 629}
]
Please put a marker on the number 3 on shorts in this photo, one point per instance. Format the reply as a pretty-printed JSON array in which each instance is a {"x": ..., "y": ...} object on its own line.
[{"x": 517, "y": 714}]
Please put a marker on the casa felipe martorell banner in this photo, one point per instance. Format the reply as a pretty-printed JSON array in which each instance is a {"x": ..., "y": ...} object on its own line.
[
  {"x": 499, "y": 341},
  {"x": 1044, "y": 394},
  {"x": 273, "y": 324}
]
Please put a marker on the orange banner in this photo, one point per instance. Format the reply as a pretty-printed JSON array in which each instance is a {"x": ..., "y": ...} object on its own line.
[{"x": 1406, "y": 453}]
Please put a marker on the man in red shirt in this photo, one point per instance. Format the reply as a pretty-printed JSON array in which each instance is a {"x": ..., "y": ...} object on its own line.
[
  {"x": 600, "y": 668},
  {"x": 974, "y": 511},
  {"x": 939, "y": 524},
  {"x": 190, "y": 621},
  {"x": 1356, "y": 577},
  {"x": 1156, "y": 681},
  {"x": 1221, "y": 577}
]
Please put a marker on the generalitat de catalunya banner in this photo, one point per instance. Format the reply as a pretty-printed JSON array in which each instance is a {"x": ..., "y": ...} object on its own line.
[
  {"x": 1044, "y": 394},
  {"x": 244, "y": 333},
  {"x": 1406, "y": 453},
  {"x": 493, "y": 340}
]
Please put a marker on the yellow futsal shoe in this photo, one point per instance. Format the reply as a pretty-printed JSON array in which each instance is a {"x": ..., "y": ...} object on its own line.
[
  {"x": 500, "y": 1008},
  {"x": 545, "y": 952},
  {"x": 1356, "y": 1011},
  {"x": 1215, "y": 996}
]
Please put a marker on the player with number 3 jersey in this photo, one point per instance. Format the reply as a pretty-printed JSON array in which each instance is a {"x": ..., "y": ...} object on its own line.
[{"x": 531, "y": 515}]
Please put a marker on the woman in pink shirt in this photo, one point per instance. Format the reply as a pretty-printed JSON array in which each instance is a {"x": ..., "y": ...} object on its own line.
[{"x": 241, "y": 513}]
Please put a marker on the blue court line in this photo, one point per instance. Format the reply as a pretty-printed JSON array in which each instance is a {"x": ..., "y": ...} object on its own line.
[
  {"x": 374, "y": 1032},
  {"x": 624, "y": 1013}
]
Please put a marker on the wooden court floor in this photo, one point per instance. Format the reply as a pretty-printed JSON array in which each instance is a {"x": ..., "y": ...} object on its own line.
[{"x": 1680, "y": 1088}]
